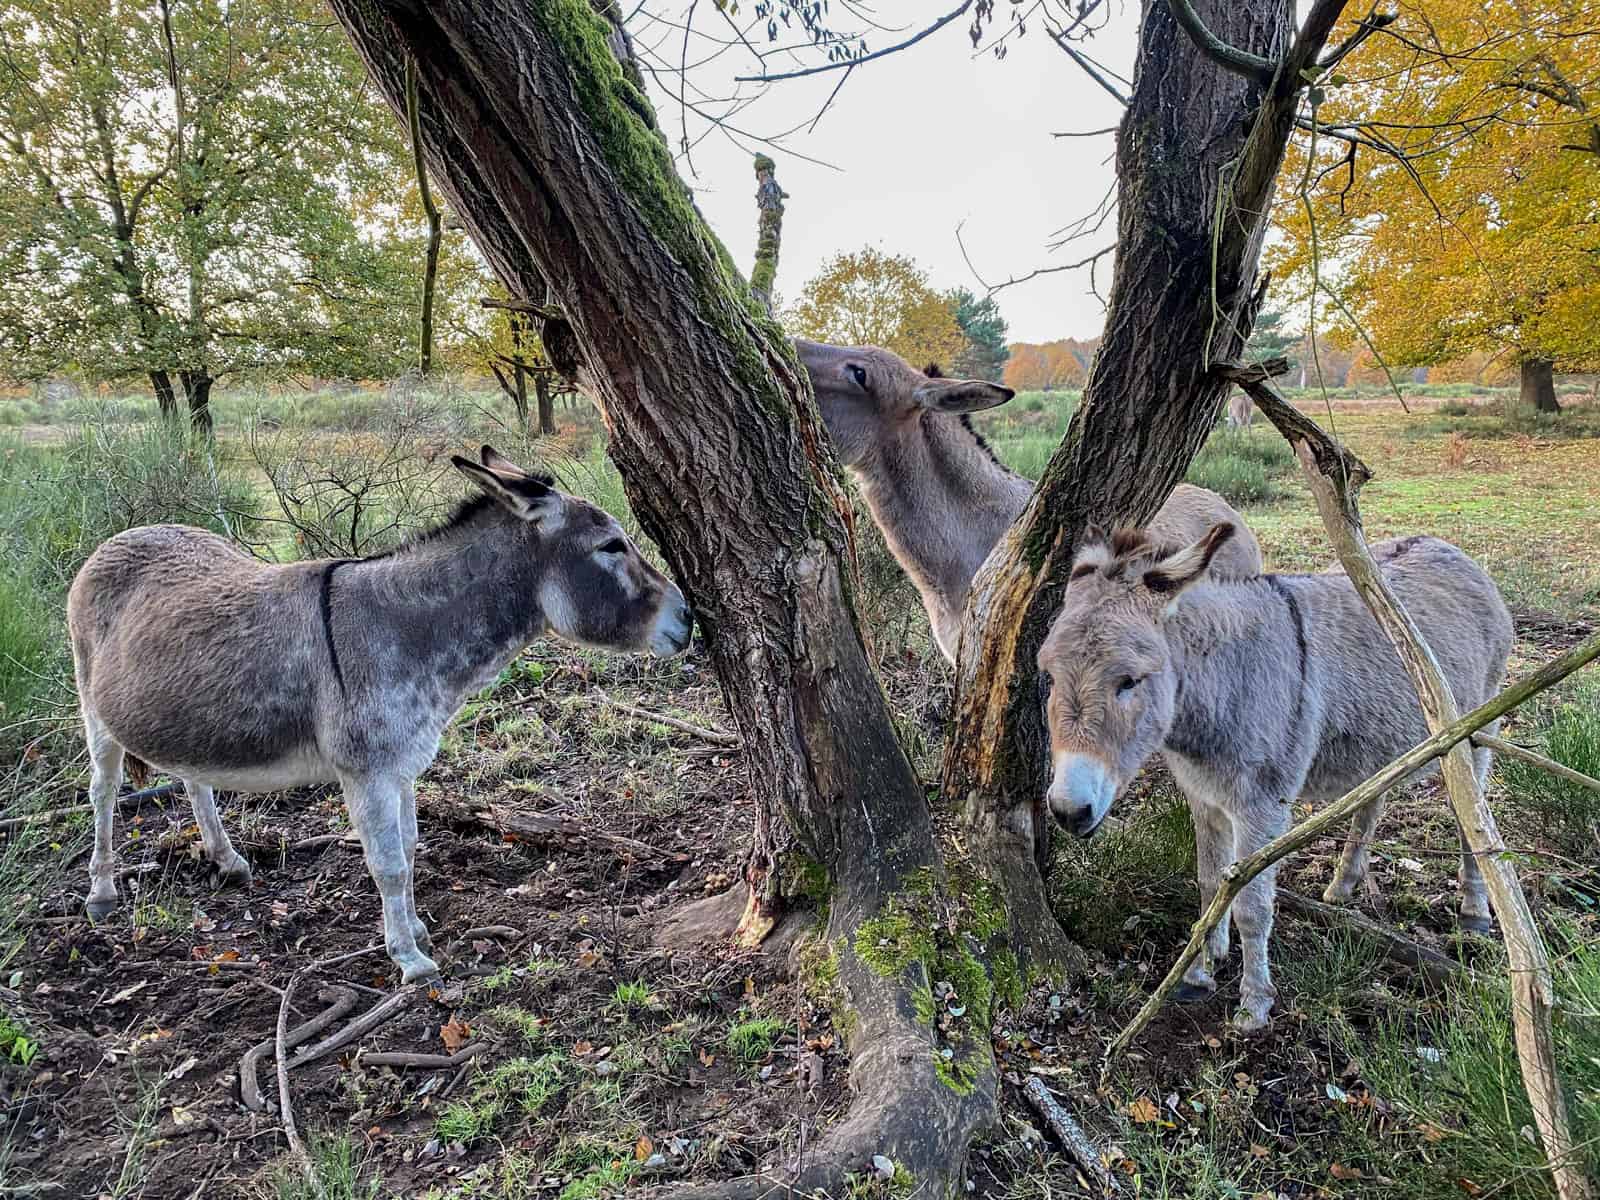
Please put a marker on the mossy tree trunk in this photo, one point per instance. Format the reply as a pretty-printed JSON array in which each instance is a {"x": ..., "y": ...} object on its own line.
[
  {"x": 1197, "y": 153},
  {"x": 547, "y": 147}
]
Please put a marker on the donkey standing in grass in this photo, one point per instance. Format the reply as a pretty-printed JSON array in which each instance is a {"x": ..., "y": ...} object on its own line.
[
  {"x": 227, "y": 672},
  {"x": 1257, "y": 691},
  {"x": 936, "y": 490}
]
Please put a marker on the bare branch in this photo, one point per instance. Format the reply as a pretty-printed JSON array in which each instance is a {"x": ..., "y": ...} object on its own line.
[
  {"x": 1087, "y": 132},
  {"x": 1089, "y": 68},
  {"x": 1369, "y": 25},
  {"x": 845, "y": 64}
]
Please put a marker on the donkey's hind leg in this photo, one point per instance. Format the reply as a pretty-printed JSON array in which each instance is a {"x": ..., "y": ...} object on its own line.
[
  {"x": 375, "y": 809},
  {"x": 230, "y": 864},
  {"x": 1352, "y": 867},
  {"x": 105, "y": 778},
  {"x": 1474, "y": 915}
]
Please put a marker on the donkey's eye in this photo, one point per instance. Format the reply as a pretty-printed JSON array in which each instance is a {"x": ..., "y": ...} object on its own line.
[
  {"x": 859, "y": 374},
  {"x": 1126, "y": 684},
  {"x": 614, "y": 546}
]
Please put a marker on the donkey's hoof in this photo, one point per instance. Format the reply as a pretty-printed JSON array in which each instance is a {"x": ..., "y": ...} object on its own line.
[
  {"x": 1339, "y": 892},
  {"x": 1248, "y": 1023},
  {"x": 1193, "y": 993},
  {"x": 100, "y": 909},
  {"x": 235, "y": 870},
  {"x": 421, "y": 967},
  {"x": 1474, "y": 924}
]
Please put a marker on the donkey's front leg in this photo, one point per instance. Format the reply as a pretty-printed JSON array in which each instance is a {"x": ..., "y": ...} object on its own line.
[
  {"x": 1262, "y": 820},
  {"x": 105, "y": 777},
  {"x": 408, "y": 832},
  {"x": 230, "y": 864},
  {"x": 375, "y": 810},
  {"x": 1214, "y": 850}
]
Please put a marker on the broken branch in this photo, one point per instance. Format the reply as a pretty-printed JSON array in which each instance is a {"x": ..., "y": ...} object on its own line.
[
  {"x": 1067, "y": 1130},
  {"x": 132, "y": 799},
  {"x": 1512, "y": 750},
  {"x": 715, "y": 736},
  {"x": 339, "y": 1000},
  {"x": 421, "y": 1062},
  {"x": 1439, "y": 969}
]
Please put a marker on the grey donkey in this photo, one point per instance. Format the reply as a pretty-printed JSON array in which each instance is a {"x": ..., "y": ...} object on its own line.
[
  {"x": 1256, "y": 691},
  {"x": 230, "y": 673},
  {"x": 936, "y": 490}
]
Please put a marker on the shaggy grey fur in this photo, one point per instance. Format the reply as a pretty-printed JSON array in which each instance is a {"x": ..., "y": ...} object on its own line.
[
  {"x": 936, "y": 490},
  {"x": 1257, "y": 691},
  {"x": 227, "y": 672}
]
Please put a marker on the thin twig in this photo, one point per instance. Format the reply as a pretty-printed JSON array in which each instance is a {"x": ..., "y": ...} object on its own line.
[
  {"x": 715, "y": 736},
  {"x": 1512, "y": 750},
  {"x": 132, "y": 799},
  {"x": 297, "y": 1148},
  {"x": 849, "y": 63}
]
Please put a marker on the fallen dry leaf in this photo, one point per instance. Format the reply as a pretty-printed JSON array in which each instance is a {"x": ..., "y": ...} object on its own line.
[
  {"x": 1470, "y": 1188},
  {"x": 580, "y": 1049},
  {"x": 643, "y": 1148},
  {"x": 1144, "y": 1110},
  {"x": 454, "y": 1033},
  {"x": 1340, "y": 1171},
  {"x": 707, "y": 1059},
  {"x": 1257, "y": 1150}
]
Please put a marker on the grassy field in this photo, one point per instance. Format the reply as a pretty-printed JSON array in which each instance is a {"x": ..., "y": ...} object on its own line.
[{"x": 607, "y": 1064}]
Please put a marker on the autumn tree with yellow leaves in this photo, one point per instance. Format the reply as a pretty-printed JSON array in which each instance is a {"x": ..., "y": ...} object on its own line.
[
  {"x": 870, "y": 298},
  {"x": 1444, "y": 195}
]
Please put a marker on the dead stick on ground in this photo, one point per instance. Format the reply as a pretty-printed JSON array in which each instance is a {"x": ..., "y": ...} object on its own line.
[
  {"x": 1439, "y": 968},
  {"x": 340, "y": 1001},
  {"x": 1512, "y": 750},
  {"x": 1235, "y": 877},
  {"x": 1068, "y": 1132},
  {"x": 132, "y": 798},
  {"x": 715, "y": 736},
  {"x": 1336, "y": 478},
  {"x": 297, "y": 1148},
  {"x": 359, "y": 1028},
  {"x": 421, "y": 1062}
]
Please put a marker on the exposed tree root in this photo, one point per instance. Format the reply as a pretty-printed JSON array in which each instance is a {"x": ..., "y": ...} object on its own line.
[{"x": 1440, "y": 969}]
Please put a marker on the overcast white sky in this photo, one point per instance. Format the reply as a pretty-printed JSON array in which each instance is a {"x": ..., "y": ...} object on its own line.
[{"x": 922, "y": 141}]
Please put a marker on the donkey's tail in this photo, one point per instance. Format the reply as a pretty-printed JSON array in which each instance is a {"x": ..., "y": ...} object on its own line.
[{"x": 138, "y": 770}]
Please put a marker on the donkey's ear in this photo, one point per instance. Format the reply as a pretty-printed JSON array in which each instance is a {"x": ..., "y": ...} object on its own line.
[
  {"x": 496, "y": 461},
  {"x": 524, "y": 496},
  {"x": 1187, "y": 566},
  {"x": 961, "y": 395}
]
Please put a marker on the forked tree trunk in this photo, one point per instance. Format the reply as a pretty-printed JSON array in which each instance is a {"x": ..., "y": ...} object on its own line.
[
  {"x": 549, "y": 151},
  {"x": 1539, "y": 385},
  {"x": 1197, "y": 154}
]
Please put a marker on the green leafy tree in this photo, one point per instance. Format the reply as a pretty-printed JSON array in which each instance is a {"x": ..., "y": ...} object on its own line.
[
  {"x": 984, "y": 356},
  {"x": 1269, "y": 339},
  {"x": 870, "y": 298},
  {"x": 196, "y": 190}
]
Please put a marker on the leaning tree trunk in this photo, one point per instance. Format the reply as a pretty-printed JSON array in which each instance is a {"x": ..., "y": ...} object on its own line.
[
  {"x": 548, "y": 149},
  {"x": 1197, "y": 153},
  {"x": 1539, "y": 385}
]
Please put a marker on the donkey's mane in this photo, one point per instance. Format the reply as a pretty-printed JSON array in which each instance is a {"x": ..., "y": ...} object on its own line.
[
  {"x": 465, "y": 512},
  {"x": 1128, "y": 547}
]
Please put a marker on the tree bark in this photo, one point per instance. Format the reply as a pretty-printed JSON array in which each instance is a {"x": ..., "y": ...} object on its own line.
[
  {"x": 1539, "y": 385},
  {"x": 1197, "y": 153},
  {"x": 166, "y": 398},
  {"x": 548, "y": 149},
  {"x": 769, "y": 231}
]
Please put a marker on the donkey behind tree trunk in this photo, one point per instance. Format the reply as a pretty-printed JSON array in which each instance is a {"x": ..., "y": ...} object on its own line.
[{"x": 227, "y": 672}]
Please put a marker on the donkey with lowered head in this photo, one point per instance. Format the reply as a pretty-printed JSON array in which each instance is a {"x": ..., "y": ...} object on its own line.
[
  {"x": 936, "y": 490},
  {"x": 228, "y": 672},
  {"x": 1256, "y": 691}
]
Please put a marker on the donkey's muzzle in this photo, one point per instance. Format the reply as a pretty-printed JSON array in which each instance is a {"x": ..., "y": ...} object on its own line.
[
  {"x": 674, "y": 627},
  {"x": 1081, "y": 792}
]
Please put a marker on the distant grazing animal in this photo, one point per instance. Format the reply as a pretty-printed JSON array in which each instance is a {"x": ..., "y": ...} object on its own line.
[
  {"x": 230, "y": 673},
  {"x": 1257, "y": 691},
  {"x": 1241, "y": 410},
  {"x": 936, "y": 490}
]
